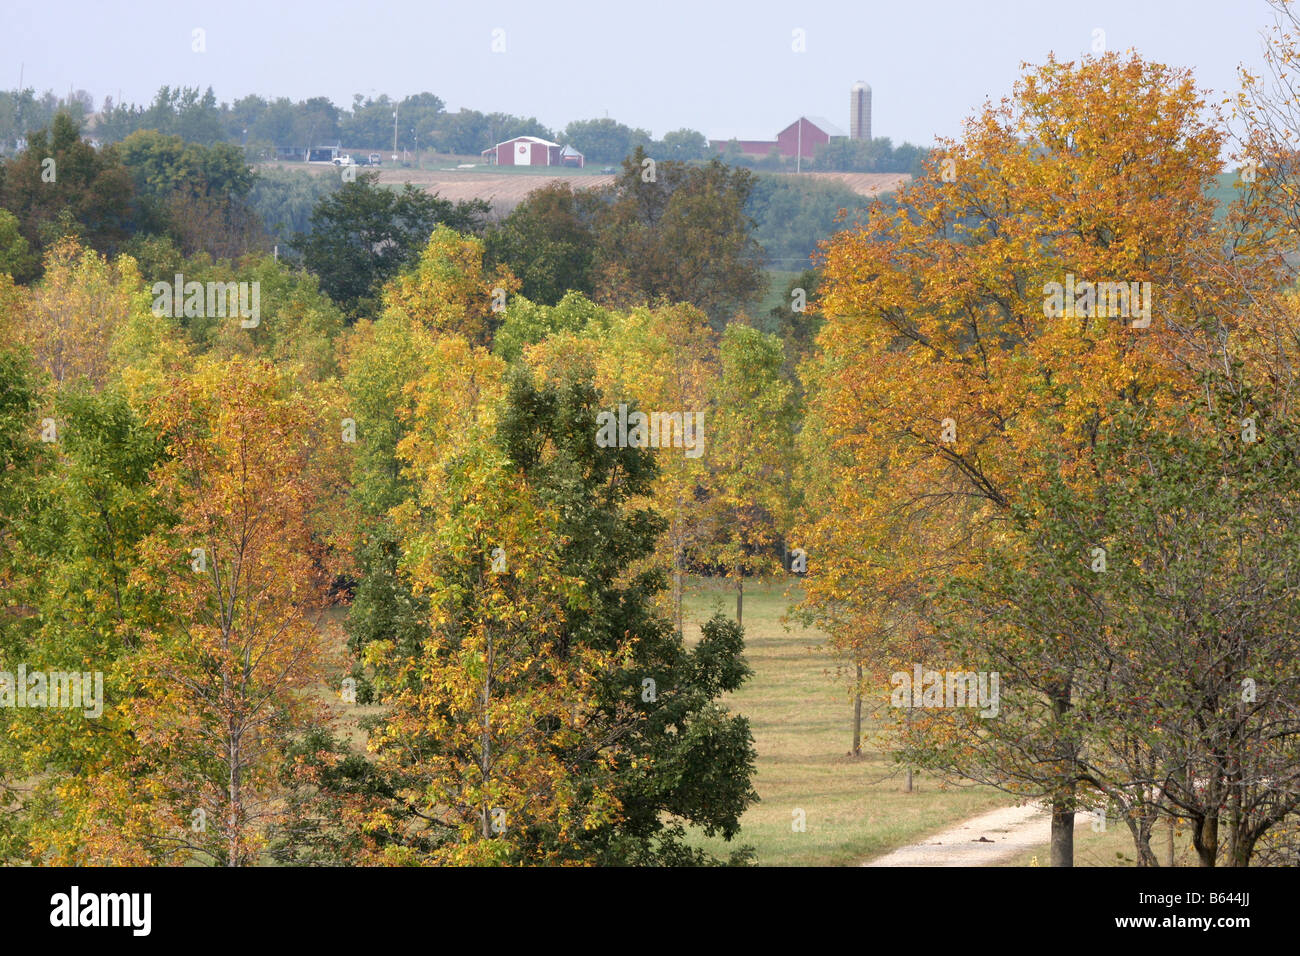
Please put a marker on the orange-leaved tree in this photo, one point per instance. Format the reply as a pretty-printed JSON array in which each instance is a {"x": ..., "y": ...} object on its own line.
[
  {"x": 1056, "y": 260},
  {"x": 227, "y": 679}
]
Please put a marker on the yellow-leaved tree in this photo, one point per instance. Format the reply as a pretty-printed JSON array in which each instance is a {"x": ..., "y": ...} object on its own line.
[
  {"x": 226, "y": 679},
  {"x": 1055, "y": 264},
  {"x": 449, "y": 290}
]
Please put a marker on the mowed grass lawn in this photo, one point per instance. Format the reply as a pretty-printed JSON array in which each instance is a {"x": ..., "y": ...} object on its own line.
[
  {"x": 1113, "y": 846},
  {"x": 801, "y": 716}
]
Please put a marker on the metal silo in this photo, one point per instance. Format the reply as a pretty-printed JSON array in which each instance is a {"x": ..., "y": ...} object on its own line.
[{"x": 860, "y": 111}]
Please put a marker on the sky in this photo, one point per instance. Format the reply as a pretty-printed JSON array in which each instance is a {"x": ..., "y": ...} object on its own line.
[{"x": 726, "y": 69}]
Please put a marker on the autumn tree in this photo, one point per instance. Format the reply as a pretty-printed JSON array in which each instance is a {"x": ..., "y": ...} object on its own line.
[
  {"x": 92, "y": 514},
  {"x": 228, "y": 672},
  {"x": 752, "y": 455},
  {"x": 380, "y": 362},
  {"x": 22, "y": 460},
  {"x": 679, "y": 233},
  {"x": 449, "y": 290},
  {"x": 62, "y": 186},
  {"x": 522, "y": 729},
  {"x": 687, "y": 760},
  {"x": 548, "y": 241},
  {"x": 492, "y": 711},
  {"x": 364, "y": 234},
  {"x": 950, "y": 359},
  {"x": 664, "y": 360},
  {"x": 484, "y": 707},
  {"x": 75, "y": 310}
]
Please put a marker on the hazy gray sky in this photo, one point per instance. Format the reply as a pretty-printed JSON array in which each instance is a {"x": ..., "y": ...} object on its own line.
[{"x": 724, "y": 69}]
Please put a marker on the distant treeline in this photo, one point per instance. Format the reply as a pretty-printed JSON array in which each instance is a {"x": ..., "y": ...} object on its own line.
[
  {"x": 157, "y": 197},
  {"x": 261, "y": 126}
]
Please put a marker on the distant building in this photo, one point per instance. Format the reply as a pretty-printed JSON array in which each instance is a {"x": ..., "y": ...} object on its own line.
[
  {"x": 860, "y": 111},
  {"x": 324, "y": 154},
  {"x": 800, "y": 138},
  {"x": 571, "y": 157},
  {"x": 526, "y": 151},
  {"x": 805, "y": 135}
]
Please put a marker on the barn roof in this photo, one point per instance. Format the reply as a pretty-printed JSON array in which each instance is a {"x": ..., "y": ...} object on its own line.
[
  {"x": 531, "y": 139},
  {"x": 825, "y": 125}
]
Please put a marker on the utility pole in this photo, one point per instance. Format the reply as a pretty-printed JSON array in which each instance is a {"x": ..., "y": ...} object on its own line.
[
  {"x": 18, "y": 104},
  {"x": 394, "y": 132},
  {"x": 798, "y": 163}
]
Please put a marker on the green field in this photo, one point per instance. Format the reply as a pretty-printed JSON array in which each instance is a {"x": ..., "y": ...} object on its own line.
[
  {"x": 801, "y": 718},
  {"x": 777, "y": 280}
]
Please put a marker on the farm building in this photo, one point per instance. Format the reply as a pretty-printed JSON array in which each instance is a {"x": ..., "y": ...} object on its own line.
[
  {"x": 800, "y": 138},
  {"x": 571, "y": 157},
  {"x": 531, "y": 151},
  {"x": 324, "y": 154}
]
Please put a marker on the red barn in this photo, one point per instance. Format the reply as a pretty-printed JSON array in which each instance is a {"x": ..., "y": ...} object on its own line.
[
  {"x": 804, "y": 135},
  {"x": 800, "y": 138},
  {"x": 524, "y": 151}
]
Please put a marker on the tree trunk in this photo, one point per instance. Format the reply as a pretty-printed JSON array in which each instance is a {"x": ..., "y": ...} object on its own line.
[
  {"x": 1063, "y": 831},
  {"x": 235, "y": 794},
  {"x": 740, "y": 597},
  {"x": 1169, "y": 842},
  {"x": 1146, "y": 855},
  {"x": 677, "y": 590},
  {"x": 857, "y": 713},
  {"x": 907, "y": 716},
  {"x": 1063, "y": 797},
  {"x": 485, "y": 739},
  {"x": 1205, "y": 837},
  {"x": 1243, "y": 848}
]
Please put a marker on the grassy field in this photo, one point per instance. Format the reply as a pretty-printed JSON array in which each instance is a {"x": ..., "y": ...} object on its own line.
[
  {"x": 801, "y": 718},
  {"x": 777, "y": 280},
  {"x": 1113, "y": 846}
]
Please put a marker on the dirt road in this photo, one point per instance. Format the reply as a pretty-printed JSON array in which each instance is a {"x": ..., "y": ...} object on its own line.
[{"x": 985, "y": 840}]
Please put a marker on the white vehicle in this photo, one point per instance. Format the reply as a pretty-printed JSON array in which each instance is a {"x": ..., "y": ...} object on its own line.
[{"x": 344, "y": 160}]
